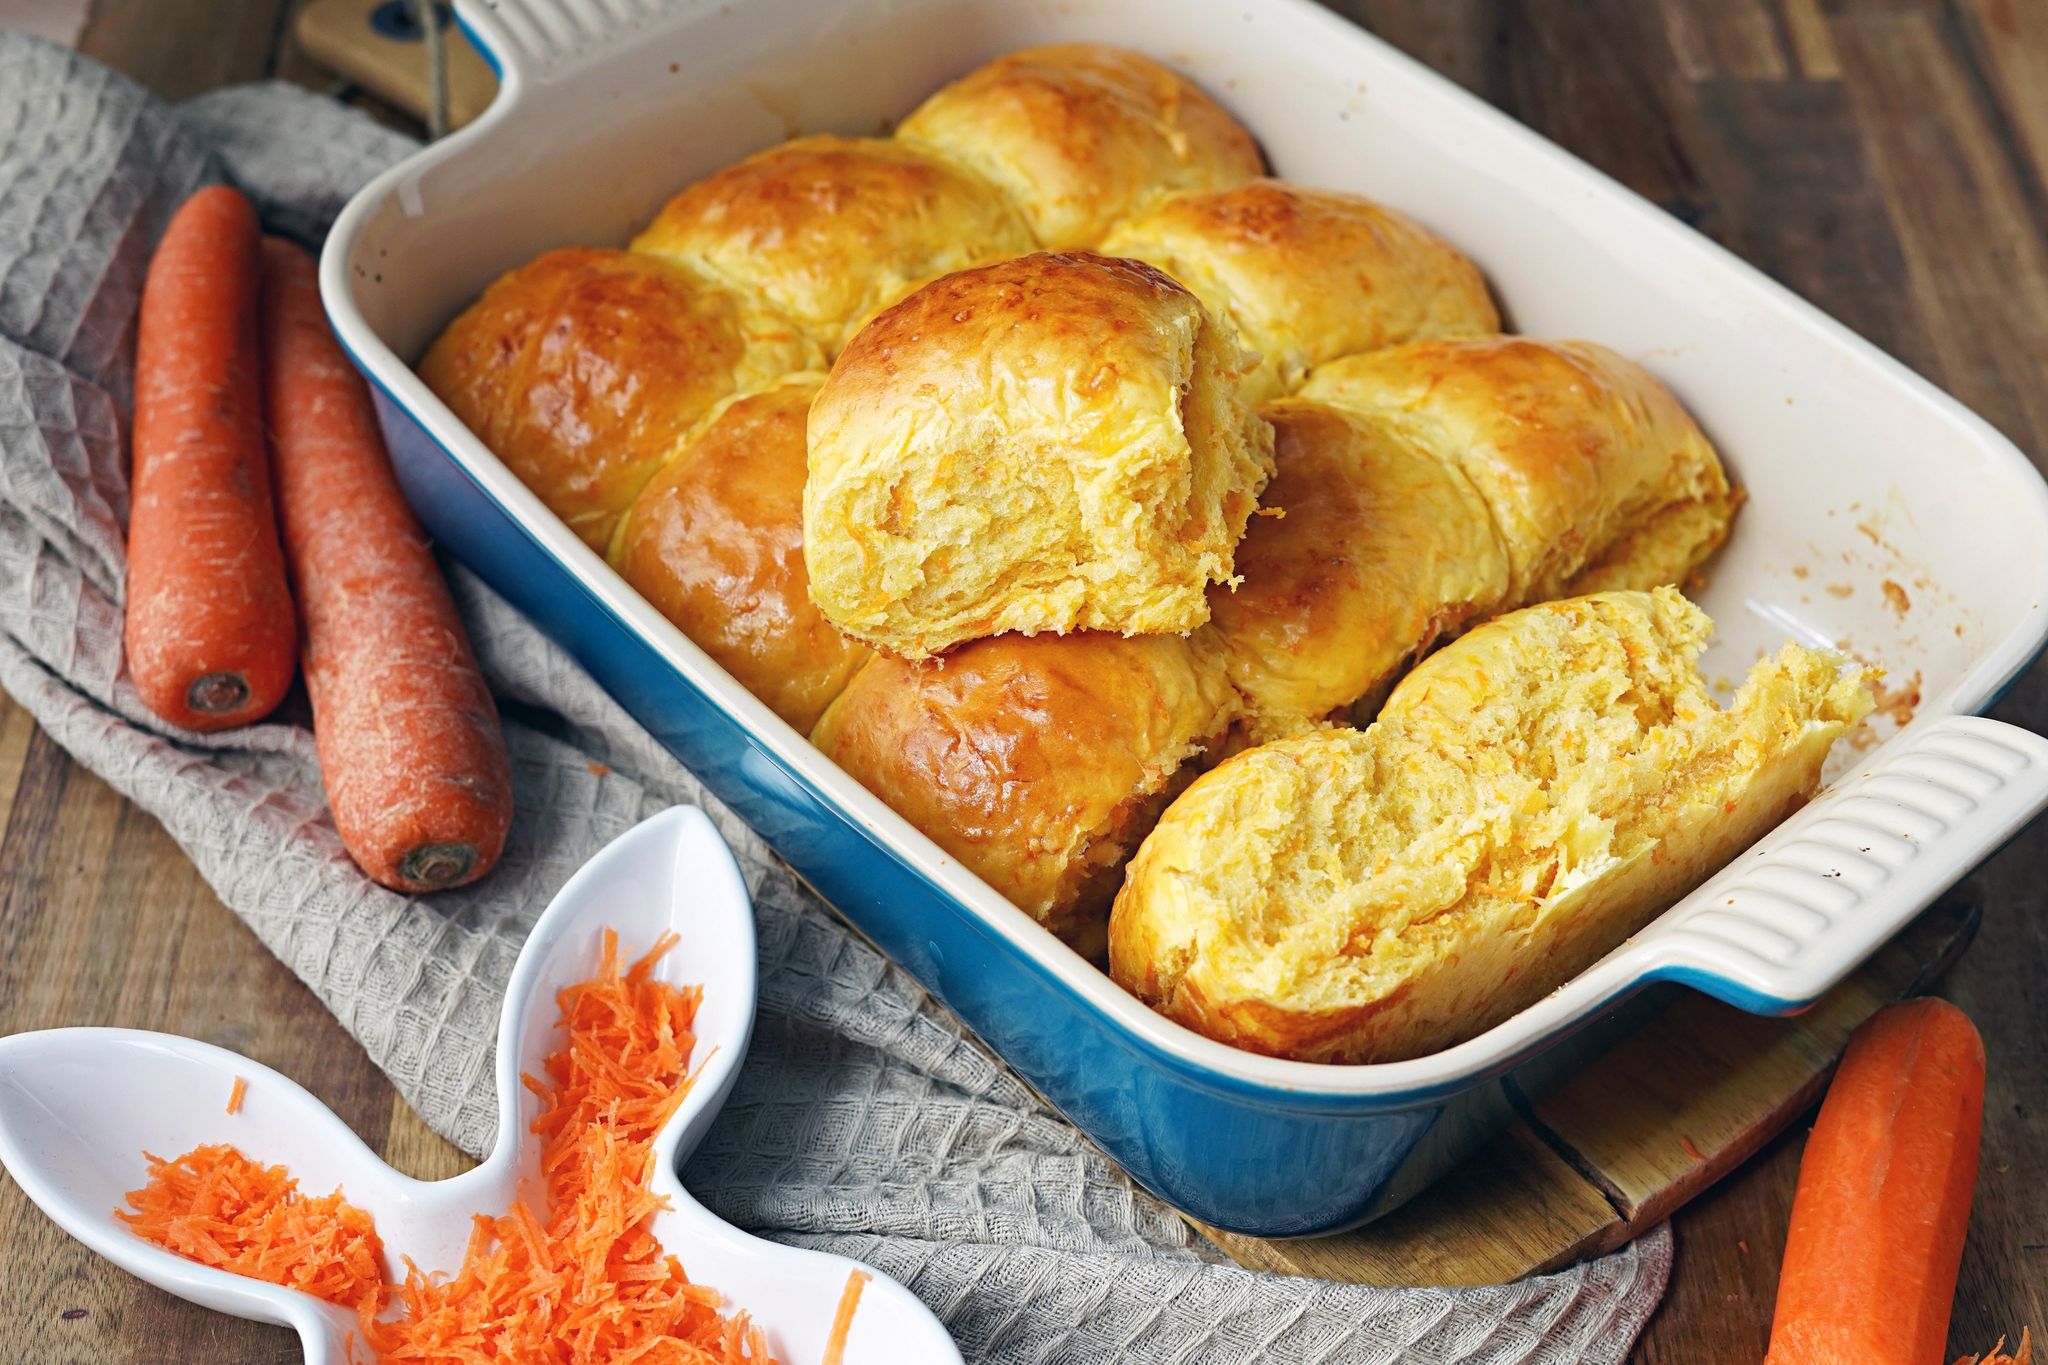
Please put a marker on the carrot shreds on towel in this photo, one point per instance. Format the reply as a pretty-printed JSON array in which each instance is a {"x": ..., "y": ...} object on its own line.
[
  {"x": 215, "y": 1206},
  {"x": 235, "y": 1093},
  {"x": 588, "y": 1282}
]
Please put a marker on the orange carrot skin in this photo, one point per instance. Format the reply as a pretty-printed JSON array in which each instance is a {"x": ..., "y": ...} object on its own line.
[
  {"x": 411, "y": 752},
  {"x": 210, "y": 635},
  {"x": 1883, "y": 1202}
]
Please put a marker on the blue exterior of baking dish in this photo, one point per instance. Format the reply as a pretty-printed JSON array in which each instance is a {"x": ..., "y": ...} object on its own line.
[{"x": 586, "y": 140}]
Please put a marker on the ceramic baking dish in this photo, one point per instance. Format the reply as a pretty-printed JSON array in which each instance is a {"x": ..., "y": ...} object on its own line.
[{"x": 1883, "y": 518}]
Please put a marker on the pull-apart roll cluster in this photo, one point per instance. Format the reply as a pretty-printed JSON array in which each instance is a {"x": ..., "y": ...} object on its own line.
[{"x": 1076, "y": 486}]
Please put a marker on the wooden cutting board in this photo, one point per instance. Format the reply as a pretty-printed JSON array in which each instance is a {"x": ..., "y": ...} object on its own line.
[
  {"x": 375, "y": 44},
  {"x": 1615, "y": 1151}
]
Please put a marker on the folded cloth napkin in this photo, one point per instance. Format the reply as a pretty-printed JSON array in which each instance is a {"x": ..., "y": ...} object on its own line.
[{"x": 866, "y": 1121}]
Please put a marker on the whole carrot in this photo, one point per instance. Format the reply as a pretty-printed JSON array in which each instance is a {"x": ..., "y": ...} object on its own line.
[
  {"x": 209, "y": 633},
  {"x": 410, "y": 750},
  {"x": 1884, "y": 1195}
]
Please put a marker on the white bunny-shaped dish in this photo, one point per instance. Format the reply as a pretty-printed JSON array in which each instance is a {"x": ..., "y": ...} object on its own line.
[{"x": 78, "y": 1106}]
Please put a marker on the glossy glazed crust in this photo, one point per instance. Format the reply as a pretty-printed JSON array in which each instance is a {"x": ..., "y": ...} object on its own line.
[
  {"x": 1365, "y": 553},
  {"x": 1531, "y": 795},
  {"x": 715, "y": 542},
  {"x": 1052, "y": 443},
  {"x": 1038, "y": 762},
  {"x": 1082, "y": 135},
  {"x": 1309, "y": 275},
  {"x": 1576, "y": 451},
  {"x": 829, "y": 229},
  {"x": 586, "y": 369}
]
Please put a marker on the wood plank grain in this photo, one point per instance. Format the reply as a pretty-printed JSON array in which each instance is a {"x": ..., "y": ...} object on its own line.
[
  {"x": 1808, "y": 210},
  {"x": 1601, "y": 80},
  {"x": 2008, "y": 40},
  {"x": 181, "y": 47},
  {"x": 1813, "y": 46},
  {"x": 1973, "y": 245},
  {"x": 1514, "y": 1206},
  {"x": 1718, "y": 39},
  {"x": 1703, "y": 1086},
  {"x": 1717, "y": 1307},
  {"x": 16, "y": 726}
]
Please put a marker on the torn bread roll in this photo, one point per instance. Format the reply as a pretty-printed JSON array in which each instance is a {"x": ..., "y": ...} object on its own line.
[
  {"x": 1530, "y": 796},
  {"x": 1055, "y": 443}
]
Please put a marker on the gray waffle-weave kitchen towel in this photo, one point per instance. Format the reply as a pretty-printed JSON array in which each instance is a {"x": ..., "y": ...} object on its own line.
[{"x": 865, "y": 1120}]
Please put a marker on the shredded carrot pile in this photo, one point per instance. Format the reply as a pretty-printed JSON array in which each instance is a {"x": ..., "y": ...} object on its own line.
[
  {"x": 590, "y": 1283},
  {"x": 587, "y": 1282},
  {"x": 215, "y": 1206}
]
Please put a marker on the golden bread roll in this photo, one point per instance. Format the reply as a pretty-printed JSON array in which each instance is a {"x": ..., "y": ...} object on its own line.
[
  {"x": 1595, "y": 475},
  {"x": 1530, "y": 796},
  {"x": 1037, "y": 762},
  {"x": 829, "y": 229},
  {"x": 1368, "y": 551},
  {"x": 585, "y": 369},
  {"x": 1082, "y": 135},
  {"x": 715, "y": 542},
  {"x": 1309, "y": 275},
  {"x": 1052, "y": 443}
]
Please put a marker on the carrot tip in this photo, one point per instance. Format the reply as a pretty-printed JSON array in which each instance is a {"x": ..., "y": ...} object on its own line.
[
  {"x": 218, "y": 694},
  {"x": 434, "y": 866}
]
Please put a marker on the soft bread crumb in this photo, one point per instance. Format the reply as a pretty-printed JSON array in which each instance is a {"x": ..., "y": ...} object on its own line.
[
  {"x": 1530, "y": 796},
  {"x": 1054, "y": 443}
]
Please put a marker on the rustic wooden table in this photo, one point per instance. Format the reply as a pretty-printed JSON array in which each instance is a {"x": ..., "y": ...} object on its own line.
[{"x": 1886, "y": 158}]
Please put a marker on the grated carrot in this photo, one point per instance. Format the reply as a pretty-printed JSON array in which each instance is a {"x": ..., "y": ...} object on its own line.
[
  {"x": 842, "y": 1321},
  {"x": 588, "y": 1282},
  {"x": 215, "y": 1206},
  {"x": 1997, "y": 1355},
  {"x": 240, "y": 1088}
]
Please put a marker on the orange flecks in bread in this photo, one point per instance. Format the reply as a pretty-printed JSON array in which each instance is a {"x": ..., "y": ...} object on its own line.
[
  {"x": 586, "y": 1282},
  {"x": 217, "y": 1207}
]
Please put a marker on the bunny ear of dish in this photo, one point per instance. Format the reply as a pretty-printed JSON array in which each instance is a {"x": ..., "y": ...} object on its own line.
[{"x": 79, "y": 1107}]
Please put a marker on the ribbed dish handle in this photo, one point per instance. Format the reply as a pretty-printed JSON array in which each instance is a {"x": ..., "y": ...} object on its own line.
[
  {"x": 537, "y": 40},
  {"x": 1790, "y": 918}
]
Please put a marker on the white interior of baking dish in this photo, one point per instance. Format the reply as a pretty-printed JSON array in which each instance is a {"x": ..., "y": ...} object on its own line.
[{"x": 1882, "y": 517}]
